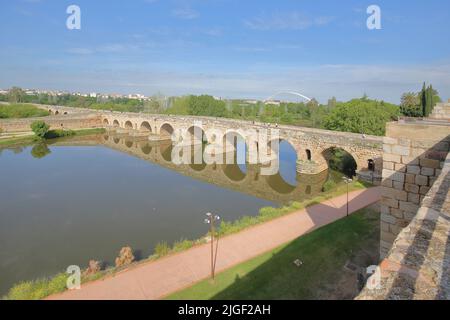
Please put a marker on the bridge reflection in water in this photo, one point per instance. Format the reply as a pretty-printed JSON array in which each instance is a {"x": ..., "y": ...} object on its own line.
[{"x": 244, "y": 178}]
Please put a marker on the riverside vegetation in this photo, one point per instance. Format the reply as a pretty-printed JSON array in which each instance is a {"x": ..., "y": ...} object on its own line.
[{"x": 17, "y": 110}]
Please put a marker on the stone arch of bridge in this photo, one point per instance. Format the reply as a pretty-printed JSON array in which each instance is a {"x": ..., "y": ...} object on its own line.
[
  {"x": 166, "y": 130},
  {"x": 196, "y": 134},
  {"x": 327, "y": 153},
  {"x": 287, "y": 164},
  {"x": 145, "y": 127},
  {"x": 128, "y": 125}
]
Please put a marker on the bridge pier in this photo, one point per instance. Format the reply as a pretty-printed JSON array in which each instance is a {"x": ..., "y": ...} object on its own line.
[
  {"x": 310, "y": 167},
  {"x": 159, "y": 137}
]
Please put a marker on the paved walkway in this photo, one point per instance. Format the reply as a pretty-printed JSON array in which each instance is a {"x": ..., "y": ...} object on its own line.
[{"x": 157, "y": 279}]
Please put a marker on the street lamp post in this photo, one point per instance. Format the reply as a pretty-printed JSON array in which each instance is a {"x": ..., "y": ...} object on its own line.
[
  {"x": 211, "y": 219},
  {"x": 347, "y": 182}
]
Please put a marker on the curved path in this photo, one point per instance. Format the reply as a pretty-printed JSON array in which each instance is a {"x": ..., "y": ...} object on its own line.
[{"x": 154, "y": 280}]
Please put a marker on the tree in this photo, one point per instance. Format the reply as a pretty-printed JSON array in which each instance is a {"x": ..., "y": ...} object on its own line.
[
  {"x": 206, "y": 106},
  {"x": 410, "y": 105},
  {"x": 312, "y": 104},
  {"x": 16, "y": 95},
  {"x": 332, "y": 103},
  {"x": 361, "y": 116},
  {"x": 40, "y": 128},
  {"x": 429, "y": 101}
]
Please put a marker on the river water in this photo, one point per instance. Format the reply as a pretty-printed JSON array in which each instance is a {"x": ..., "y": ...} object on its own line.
[{"x": 85, "y": 198}]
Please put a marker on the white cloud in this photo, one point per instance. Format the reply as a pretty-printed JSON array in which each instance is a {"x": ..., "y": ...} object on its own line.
[
  {"x": 185, "y": 13},
  {"x": 286, "y": 21},
  {"x": 347, "y": 81}
]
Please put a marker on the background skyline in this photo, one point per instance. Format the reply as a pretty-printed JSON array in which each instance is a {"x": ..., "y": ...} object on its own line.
[{"x": 227, "y": 48}]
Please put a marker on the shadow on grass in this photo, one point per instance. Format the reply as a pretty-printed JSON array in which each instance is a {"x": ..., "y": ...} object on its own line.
[{"x": 301, "y": 269}]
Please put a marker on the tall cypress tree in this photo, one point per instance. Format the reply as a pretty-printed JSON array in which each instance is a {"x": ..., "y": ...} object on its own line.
[
  {"x": 428, "y": 100},
  {"x": 423, "y": 99},
  {"x": 431, "y": 98}
]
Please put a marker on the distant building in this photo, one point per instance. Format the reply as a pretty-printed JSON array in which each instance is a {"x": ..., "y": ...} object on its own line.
[
  {"x": 273, "y": 102},
  {"x": 136, "y": 96}
]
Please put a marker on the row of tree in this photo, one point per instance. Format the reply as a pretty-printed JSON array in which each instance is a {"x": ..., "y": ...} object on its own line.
[{"x": 364, "y": 115}]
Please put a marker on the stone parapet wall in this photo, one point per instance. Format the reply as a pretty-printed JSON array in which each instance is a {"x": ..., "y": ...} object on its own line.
[
  {"x": 413, "y": 158},
  {"x": 418, "y": 264},
  {"x": 441, "y": 111},
  {"x": 72, "y": 122}
]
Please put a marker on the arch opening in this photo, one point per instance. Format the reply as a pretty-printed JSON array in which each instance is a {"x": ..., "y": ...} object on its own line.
[
  {"x": 166, "y": 130},
  {"x": 145, "y": 127},
  {"x": 196, "y": 135},
  {"x": 308, "y": 154},
  {"x": 116, "y": 124},
  {"x": 106, "y": 122},
  {"x": 340, "y": 161},
  {"x": 286, "y": 155},
  {"x": 371, "y": 165},
  {"x": 234, "y": 142},
  {"x": 128, "y": 125}
]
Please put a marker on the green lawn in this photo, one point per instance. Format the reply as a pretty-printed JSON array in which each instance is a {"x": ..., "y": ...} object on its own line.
[
  {"x": 274, "y": 275},
  {"x": 21, "y": 111},
  {"x": 53, "y": 134}
]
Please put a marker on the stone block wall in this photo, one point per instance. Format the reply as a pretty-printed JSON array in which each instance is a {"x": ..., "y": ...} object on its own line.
[
  {"x": 413, "y": 158},
  {"x": 441, "y": 111},
  {"x": 418, "y": 264},
  {"x": 72, "y": 122}
]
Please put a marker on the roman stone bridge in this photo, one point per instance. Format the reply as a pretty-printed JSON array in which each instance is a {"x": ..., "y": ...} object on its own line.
[{"x": 313, "y": 146}]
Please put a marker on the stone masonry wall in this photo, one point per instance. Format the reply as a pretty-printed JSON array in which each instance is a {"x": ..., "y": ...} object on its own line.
[
  {"x": 418, "y": 264},
  {"x": 413, "y": 157},
  {"x": 56, "y": 122}
]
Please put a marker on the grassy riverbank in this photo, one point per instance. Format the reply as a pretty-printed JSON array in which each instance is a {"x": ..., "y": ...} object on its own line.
[
  {"x": 8, "y": 111},
  {"x": 44, "y": 287},
  {"x": 322, "y": 275},
  {"x": 11, "y": 141}
]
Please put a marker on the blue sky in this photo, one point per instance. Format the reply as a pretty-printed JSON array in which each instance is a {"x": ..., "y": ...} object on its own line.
[{"x": 228, "y": 48}]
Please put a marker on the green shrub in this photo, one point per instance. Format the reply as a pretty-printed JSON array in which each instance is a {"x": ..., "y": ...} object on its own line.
[
  {"x": 38, "y": 289},
  {"x": 182, "y": 245},
  {"x": 329, "y": 185},
  {"x": 40, "y": 128},
  {"x": 162, "y": 249}
]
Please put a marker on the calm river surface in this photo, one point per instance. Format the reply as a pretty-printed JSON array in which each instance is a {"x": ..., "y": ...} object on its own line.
[{"x": 83, "y": 199}]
